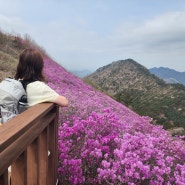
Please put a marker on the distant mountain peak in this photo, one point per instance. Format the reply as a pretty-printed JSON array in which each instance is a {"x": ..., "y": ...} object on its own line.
[
  {"x": 168, "y": 74},
  {"x": 121, "y": 74},
  {"x": 133, "y": 85},
  {"x": 121, "y": 63}
]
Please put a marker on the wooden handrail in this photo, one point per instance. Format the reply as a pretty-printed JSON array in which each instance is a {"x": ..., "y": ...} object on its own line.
[{"x": 28, "y": 143}]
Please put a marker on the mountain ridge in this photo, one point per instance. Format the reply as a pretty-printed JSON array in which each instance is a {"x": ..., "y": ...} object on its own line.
[
  {"x": 169, "y": 75},
  {"x": 133, "y": 85}
]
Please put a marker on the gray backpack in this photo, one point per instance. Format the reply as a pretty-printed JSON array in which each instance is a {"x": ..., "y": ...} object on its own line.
[{"x": 11, "y": 92}]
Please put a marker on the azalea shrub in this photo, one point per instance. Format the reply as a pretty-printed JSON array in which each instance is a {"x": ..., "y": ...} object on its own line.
[{"x": 103, "y": 142}]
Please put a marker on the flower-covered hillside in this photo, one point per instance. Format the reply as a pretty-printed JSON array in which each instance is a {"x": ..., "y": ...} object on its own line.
[
  {"x": 103, "y": 142},
  {"x": 83, "y": 98}
]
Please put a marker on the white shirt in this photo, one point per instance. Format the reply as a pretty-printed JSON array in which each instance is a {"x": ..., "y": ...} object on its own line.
[{"x": 38, "y": 92}]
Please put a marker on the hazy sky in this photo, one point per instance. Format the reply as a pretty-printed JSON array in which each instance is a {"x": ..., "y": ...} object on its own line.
[{"x": 88, "y": 34}]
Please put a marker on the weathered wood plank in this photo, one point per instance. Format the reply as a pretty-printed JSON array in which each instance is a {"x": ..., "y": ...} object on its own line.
[
  {"x": 32, "y": 164},
  {"x": 43, "y": 157},
  {"x": 18, "y": 171}
]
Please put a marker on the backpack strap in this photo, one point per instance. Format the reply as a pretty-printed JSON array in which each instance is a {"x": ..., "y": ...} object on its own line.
[
  {"x": 24, "y": 83},
  {"x": 24, "y": 97}
]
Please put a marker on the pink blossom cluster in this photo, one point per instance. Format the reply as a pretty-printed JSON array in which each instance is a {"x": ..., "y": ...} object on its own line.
[{"x": 103, "y": 142}]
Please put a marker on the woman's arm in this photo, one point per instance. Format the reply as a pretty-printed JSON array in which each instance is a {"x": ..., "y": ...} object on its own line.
[{"x": 61, "y": 101}]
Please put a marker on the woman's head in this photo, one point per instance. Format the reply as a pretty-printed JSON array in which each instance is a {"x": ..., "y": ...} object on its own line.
[{"x": 30, "y": 66}]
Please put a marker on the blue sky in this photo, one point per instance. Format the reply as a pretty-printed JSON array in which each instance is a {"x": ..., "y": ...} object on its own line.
[{"x": 88, "y": 34}]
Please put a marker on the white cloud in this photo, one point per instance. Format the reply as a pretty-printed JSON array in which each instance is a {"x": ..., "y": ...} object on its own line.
[
  {"x": 78, "y": 40},
  {"x": 155, "y": 42},
  {"x": 164, "y": 31},
  {"x": 13, "y": 25}
]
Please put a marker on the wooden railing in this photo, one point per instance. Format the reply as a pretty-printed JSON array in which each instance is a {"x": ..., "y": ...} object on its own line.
[{"x": 28, "y": 147}]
